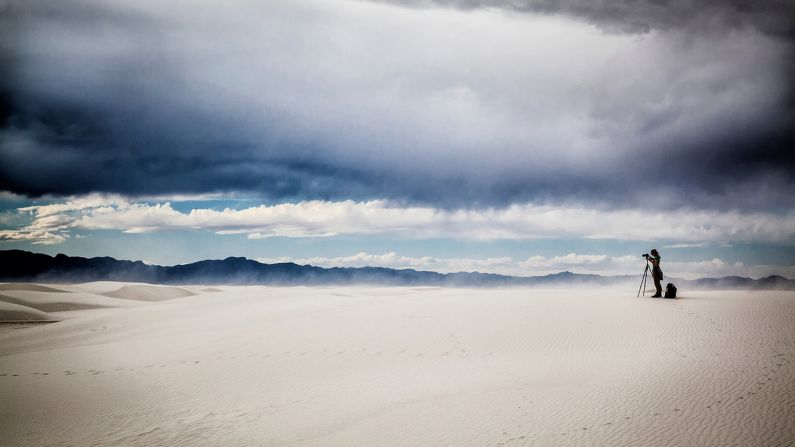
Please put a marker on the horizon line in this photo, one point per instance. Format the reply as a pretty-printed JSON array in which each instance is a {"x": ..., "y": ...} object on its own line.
[{"x": 626, "y": 276}]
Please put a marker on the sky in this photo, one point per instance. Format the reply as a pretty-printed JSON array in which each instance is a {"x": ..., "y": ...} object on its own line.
[{"x": 516, "y": 137}]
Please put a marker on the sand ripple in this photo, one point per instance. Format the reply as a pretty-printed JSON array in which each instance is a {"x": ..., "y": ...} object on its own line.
[{"x": 357, "y": 366}]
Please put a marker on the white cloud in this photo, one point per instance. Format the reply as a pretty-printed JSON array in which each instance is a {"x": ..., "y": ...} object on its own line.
[
  {"x": 718, "y": 268},
  {"x": 9, "y": 196},
  {"x": 35, "y": 236},
  {"x": 571, "y": 259},
  {"x": 687, "y": 245},
  {"x": 52, "y": 222}
]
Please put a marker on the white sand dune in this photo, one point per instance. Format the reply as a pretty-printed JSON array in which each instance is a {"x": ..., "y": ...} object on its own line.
[
  {"x": 148, "y": 293},
  {"x": 11, "y": 312},
  {"x": 405, "y": 366},
  {"x": 60, "y": 302},
  {"x": 102, "y": 287},
  {"x": 28, "y": 287}
]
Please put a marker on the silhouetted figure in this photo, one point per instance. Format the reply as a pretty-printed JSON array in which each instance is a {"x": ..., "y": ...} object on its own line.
[{"x": 656, "y": 272}]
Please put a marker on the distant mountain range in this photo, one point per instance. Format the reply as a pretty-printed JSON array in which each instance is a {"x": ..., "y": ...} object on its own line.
[{"x": 19, "y": 265}]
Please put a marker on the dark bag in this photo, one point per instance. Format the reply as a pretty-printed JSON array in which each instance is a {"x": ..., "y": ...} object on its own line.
[{"x": 670, "y": 291}]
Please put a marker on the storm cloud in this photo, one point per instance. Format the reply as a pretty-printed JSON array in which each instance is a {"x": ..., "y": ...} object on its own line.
[
  {"x": 454, "y": 104},
  {"x": 773, "y": 17}
]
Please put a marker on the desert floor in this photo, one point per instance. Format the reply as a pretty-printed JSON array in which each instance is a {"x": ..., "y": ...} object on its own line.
[{"x": 133, "y": 364}]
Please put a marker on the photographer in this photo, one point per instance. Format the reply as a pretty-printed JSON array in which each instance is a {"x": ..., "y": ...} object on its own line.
[{"x": 656, "y": 271}]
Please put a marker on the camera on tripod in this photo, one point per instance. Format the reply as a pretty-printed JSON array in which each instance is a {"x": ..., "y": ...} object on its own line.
[{"x": 645, "y": 255}]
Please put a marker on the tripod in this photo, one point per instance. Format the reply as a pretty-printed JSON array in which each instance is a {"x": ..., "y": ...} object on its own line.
[{"x": 643, "y": 280}]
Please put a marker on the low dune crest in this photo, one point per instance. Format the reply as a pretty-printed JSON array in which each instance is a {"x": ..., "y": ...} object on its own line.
[
  {"x": 33, "y": 302},
  {"x": 149, "y": 293},
  {"x": 27, "y": 287},
  {"x": 13, "y": 313}
]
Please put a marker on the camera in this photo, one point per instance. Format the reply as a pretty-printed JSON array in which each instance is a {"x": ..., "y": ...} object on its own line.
[{"x": 645, "y": 255}]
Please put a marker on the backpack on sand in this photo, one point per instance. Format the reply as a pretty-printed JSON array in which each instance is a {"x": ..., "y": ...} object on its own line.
[{"x": 670, "y": 291}]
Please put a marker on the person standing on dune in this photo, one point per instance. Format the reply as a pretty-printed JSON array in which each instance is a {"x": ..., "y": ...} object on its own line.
[{"x": 656, "y": 272}]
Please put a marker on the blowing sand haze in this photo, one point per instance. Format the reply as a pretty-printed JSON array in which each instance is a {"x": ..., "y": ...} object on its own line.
[{"x": 395, "y": 367}]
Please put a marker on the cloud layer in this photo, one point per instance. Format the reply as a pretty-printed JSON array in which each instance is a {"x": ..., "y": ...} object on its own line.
[
  {"x": 442, "y": 107},
  {"x": 632, "y": 16},
  {"x": 53, "y": 223}
]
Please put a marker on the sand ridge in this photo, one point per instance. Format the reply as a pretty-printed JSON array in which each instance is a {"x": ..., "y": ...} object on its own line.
[
  {"x": 12, "y": 312},
  {"x": 29, "y": 287},
  {"x": 396, "y": 366},
  {"x": 149, "y": 293},
  {"x": 34, "y": 302}
]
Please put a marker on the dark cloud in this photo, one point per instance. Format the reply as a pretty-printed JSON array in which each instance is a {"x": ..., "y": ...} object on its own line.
[
  {"x": 769, "y": 16},
  {"x": 356, "y": 102}
]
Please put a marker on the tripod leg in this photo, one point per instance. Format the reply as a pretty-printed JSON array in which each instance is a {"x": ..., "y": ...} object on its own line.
[
  {"x": 641, "y": 285},
  {"x": 643, "y": 281}
]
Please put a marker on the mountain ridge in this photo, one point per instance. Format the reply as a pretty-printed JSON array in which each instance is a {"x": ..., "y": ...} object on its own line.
[{"x": 24, "y": 266}]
